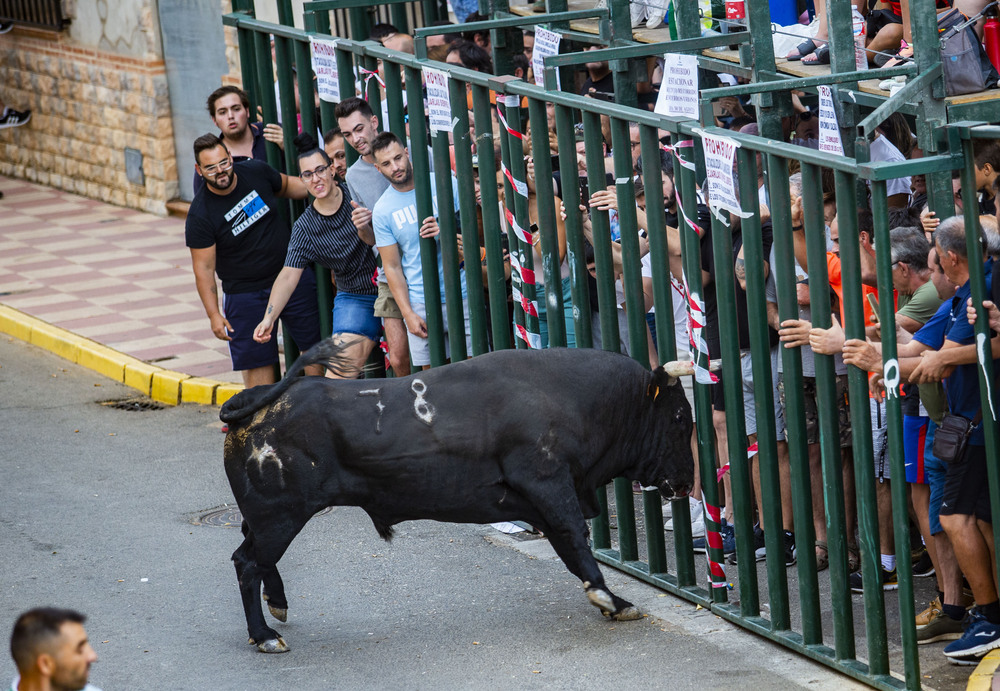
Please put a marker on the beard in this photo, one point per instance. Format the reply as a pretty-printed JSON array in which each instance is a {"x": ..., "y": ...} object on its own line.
[{"x": 214, "y": 182}]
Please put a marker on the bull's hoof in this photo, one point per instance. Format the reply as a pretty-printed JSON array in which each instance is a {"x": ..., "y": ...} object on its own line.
[
  {"x": 278, "y": 613},
  {"x": 630, "y": 613},
  {"x": 273, "y": 645},
  {"x": 601, "y": 599}
]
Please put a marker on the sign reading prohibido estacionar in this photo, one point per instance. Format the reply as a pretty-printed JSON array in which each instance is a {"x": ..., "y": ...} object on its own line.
[
  {"x": 438, "y": 103},
  {"x": 679, "y": 90},
  {"x": 324, "y": 65}
]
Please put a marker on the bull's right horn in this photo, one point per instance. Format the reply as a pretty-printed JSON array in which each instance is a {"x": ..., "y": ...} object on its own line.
[{"x": 679, "y": 368}]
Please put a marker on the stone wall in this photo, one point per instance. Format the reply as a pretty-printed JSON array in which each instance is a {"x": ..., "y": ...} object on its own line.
[{"x": 94, "y": 89}]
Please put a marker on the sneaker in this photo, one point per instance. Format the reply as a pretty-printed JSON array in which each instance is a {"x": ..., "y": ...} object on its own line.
[
  {"x": 789, "y": 548},
  {"x": 728, "y": 540},
  {"x": 940, "y": 628},
  {"x": 889, "y": 581},
  {"x": 980, "y": 637},
  {"x": 697, "y": 519},
  {"x": 14, "y": 118},
  {"x": 758, "y": 545},
  {"x": 966, "y": 660},
  {"x": 933, "y": 610},
  {"x": 6, "y": 26},
  {"x": 923, "y": 567}
]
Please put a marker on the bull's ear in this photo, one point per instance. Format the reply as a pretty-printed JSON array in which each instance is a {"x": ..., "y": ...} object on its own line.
[{"x": 661, "y": 378}]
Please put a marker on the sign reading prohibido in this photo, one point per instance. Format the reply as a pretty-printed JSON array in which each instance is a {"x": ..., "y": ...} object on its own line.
[
  {"x": 324, "y": 65},
  {"x": 720, "y": 152}
]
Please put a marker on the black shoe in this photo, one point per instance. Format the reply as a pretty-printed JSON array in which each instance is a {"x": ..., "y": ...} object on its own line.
[
  {"x": 789, "y": 548},
  {"x": 923, "y": 567},
  {"x": 14, "y": 118},
  {"x": 758, "y": 545},
  {"x": 889, "y": 581}
]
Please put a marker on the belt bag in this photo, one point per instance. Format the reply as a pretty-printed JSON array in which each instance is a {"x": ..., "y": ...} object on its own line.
[{"x": 952, "y": 436}]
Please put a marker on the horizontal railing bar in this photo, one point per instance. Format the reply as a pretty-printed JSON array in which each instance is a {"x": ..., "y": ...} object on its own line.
[
  {"x": 782, "y": 83},
  {"x": 645, "y": 50},
  {"x": 509, "y": 22}
]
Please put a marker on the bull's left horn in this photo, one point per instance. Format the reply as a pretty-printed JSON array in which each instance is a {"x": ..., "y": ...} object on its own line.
[{"x": 679, "y": 368}]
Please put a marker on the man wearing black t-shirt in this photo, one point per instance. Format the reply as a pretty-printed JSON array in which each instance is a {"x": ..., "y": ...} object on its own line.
[{"x": 234, "y": 229}]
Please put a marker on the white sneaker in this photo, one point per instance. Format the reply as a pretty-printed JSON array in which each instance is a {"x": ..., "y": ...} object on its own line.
[{"x": 697, "y": 519}]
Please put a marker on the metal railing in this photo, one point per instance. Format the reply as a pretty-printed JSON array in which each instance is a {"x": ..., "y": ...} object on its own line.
[{"x": 792, "y": 619}]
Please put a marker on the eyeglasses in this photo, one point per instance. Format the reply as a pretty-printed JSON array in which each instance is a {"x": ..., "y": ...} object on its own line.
[
  {"x": 307, "y": 175},
  {"x": 217, "y": 168}
]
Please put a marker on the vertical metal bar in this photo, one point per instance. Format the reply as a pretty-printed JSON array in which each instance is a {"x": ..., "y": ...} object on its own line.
[
  {"x": 398, "y": 18},
  {"x": 628, "y": 545},
  {"x": 691, "y": 256},
  {"x": 394, "y": 99},
  {"x": 732, "y": 384},
  {"x": 371, "y": 91},
  {"x": 319, "y": 22},
  {"x": 826, "y": 404},
  {"x": 345, "y": 76},
  {"x": 569, "y": 175},
  {"x": 469, "y": 222},
  {"x": 513, "y": 151},
  {"x": 627, "y": 223},
  {"x": 864, "y": 481},
  {"x": 545, "y": 200},
  {"x": 446, "y": 241},
  {"x": 492, "y": 223},
  {"x": 265, "y": 91},
  {"x": 652, "y": 178},
  {"x": 795, "y": 423},
  {"x": 601, "y": 227},
  {"x": 894, "y": 418},
  {"x": 767, "y": 444},
  {"x": 977, "y": 279},
  {"x": 425, "y": 208}
]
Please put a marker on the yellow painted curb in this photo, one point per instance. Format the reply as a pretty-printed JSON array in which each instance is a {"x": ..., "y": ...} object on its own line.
[
  {"x": 226, "y": 391},
  {"x": 160, "y": 384},
  {"x": 55, "y": 340},
  {"x": 102, "y": 360},
  {"x": 167, "y": 386},
  {"x": 199, "y": 390},
  {"x": 982, "y": 678},
  {"x": 12, "y": 323}
]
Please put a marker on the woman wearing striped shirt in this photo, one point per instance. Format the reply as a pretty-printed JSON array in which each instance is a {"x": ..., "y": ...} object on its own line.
[{"x": 324, "y": 234}]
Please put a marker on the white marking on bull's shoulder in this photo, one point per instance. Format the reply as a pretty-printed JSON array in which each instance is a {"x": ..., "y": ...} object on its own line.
[
  {"x": 423, "y": 409},
  {"x": 267, "y": 453},
  {"x": 378, "y": 404}
]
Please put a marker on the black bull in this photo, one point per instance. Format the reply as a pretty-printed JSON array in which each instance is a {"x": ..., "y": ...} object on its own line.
[{"x": 513, "y": 435}]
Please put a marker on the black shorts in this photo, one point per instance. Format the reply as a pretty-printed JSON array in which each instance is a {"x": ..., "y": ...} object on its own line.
[
  {"x": 967, "y": 487},
  {"x": 879, "y": 19},
  {"x": 718, "y": 394}
]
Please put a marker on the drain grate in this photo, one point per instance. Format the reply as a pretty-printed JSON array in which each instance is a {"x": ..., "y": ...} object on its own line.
[
  {"x": 135, "y": 403},
  {"x": 227, "y": 516}
]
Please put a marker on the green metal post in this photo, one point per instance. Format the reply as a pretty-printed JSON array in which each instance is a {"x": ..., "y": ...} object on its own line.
[
  {"x": 394, "y": 99},
  {"x": 767, "y": 444},
  {"x": 425, "y": 208},
  {"x": 652, "y": 177},
  {"x": 827, "y": 406},
  {"x": 469, "y": 222},
  {"x": 795, "y": 424},
  {"x": 601, "y": 228},
  {"x": 864, "y": 481},
  {"x": 627, "y": 223},
  {"x": 545, "y": 199},
  {"x": 568, "y": 167},
  {"x": 894, "y": 419},
  {"x": 492, "y": 223}
]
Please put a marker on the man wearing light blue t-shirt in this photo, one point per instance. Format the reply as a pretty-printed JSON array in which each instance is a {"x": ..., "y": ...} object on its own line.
[{"x": 398, "y": 235}]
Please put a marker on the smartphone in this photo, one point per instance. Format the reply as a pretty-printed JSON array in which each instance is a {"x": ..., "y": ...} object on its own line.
[
  {"x": 874, "y": 305},
  {"x": 584, "y": 192}
]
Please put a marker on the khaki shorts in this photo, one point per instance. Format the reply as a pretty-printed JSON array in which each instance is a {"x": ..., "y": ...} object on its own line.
[
  {"x": 385, "y": 304},
  {"x": 812, "y": 413}
]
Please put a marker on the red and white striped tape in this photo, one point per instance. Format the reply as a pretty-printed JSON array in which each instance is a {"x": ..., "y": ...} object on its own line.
[
  {"x": 368, "y": 77},
  {"x": 532, "y": 339},
  {"x": 530, "y": 307},
  {"x": 520, "y": 232},
  {"x": 713, "y": 537},
  {"x": 519, "y": 186},
  {"x": 525, "y": 275},
  {"x": 510, "y": 130}
]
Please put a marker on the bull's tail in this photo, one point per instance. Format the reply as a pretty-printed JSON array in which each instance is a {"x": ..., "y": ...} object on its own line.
[{"x": 328, "y": 352}]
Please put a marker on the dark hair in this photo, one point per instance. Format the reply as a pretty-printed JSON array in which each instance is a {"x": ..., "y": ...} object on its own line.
[
  {"x": 472, "y": 56},
  {"x": 332, "y": 134},
  {"x": 225, "y": 91},
  {"x": 471, "y": 35},
  {"x": 866, "y": 223},
  {"x": 305, "y": 145},
  {"x": 450, "y": 37},
  {"x": 897, "y": 130},
  {"x": 384, "y": 140},
  {"x": 520, "y": 61},
  {"x": 987, "y": 151},
  {"x": 666, "y": 164},
  {"x": 206, "y": 142},
  {"x": 380, "y": 31},
  {"x": 903, "y": 217},
  {"x": 35, "y": 628},
  {"x": 350, "y": 106}
]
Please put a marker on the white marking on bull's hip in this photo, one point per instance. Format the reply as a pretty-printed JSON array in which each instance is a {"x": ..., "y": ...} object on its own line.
[
  {"x": 269, "y": 454},
  {"x": 423, "y": 409},
  {"x": 378, "y": 404}
]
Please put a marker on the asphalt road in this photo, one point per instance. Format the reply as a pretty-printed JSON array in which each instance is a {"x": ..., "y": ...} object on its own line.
[{"x": 99, "y": 509}]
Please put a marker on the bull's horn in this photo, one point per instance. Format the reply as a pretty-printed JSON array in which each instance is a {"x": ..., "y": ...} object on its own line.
[{"x": 684, "y": 368}]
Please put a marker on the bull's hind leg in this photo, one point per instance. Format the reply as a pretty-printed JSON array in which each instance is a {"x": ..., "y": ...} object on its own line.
[{"x": 274, "y": 589}]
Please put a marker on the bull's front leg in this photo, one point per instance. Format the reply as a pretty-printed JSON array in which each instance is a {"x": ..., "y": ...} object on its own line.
[{"x": 566, "y": 528}]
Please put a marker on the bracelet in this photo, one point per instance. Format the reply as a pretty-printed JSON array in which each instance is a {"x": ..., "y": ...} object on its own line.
[{"x": 797, "y": 228}]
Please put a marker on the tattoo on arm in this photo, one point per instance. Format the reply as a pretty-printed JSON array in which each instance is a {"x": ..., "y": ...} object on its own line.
[
  {"x": 270, "y": 308},
  {"x": 741, "y": 269}
]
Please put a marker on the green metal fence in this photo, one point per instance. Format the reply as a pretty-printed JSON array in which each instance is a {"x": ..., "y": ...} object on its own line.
[{"x": 793, "y": 614}]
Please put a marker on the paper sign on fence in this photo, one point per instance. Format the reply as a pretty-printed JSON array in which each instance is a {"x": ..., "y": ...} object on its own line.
[
  {"x": 829, "y": 128},
  {"x": 679, "y": 89},
  {"x": 546, "y": 44},
  {"x": 324, "y": 66},
  {"x": 438, "y": 103},
  {"x": 719, "y": 155}
]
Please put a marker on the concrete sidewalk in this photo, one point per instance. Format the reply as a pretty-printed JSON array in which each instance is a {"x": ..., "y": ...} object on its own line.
[{"x": 110, "y": 288}]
